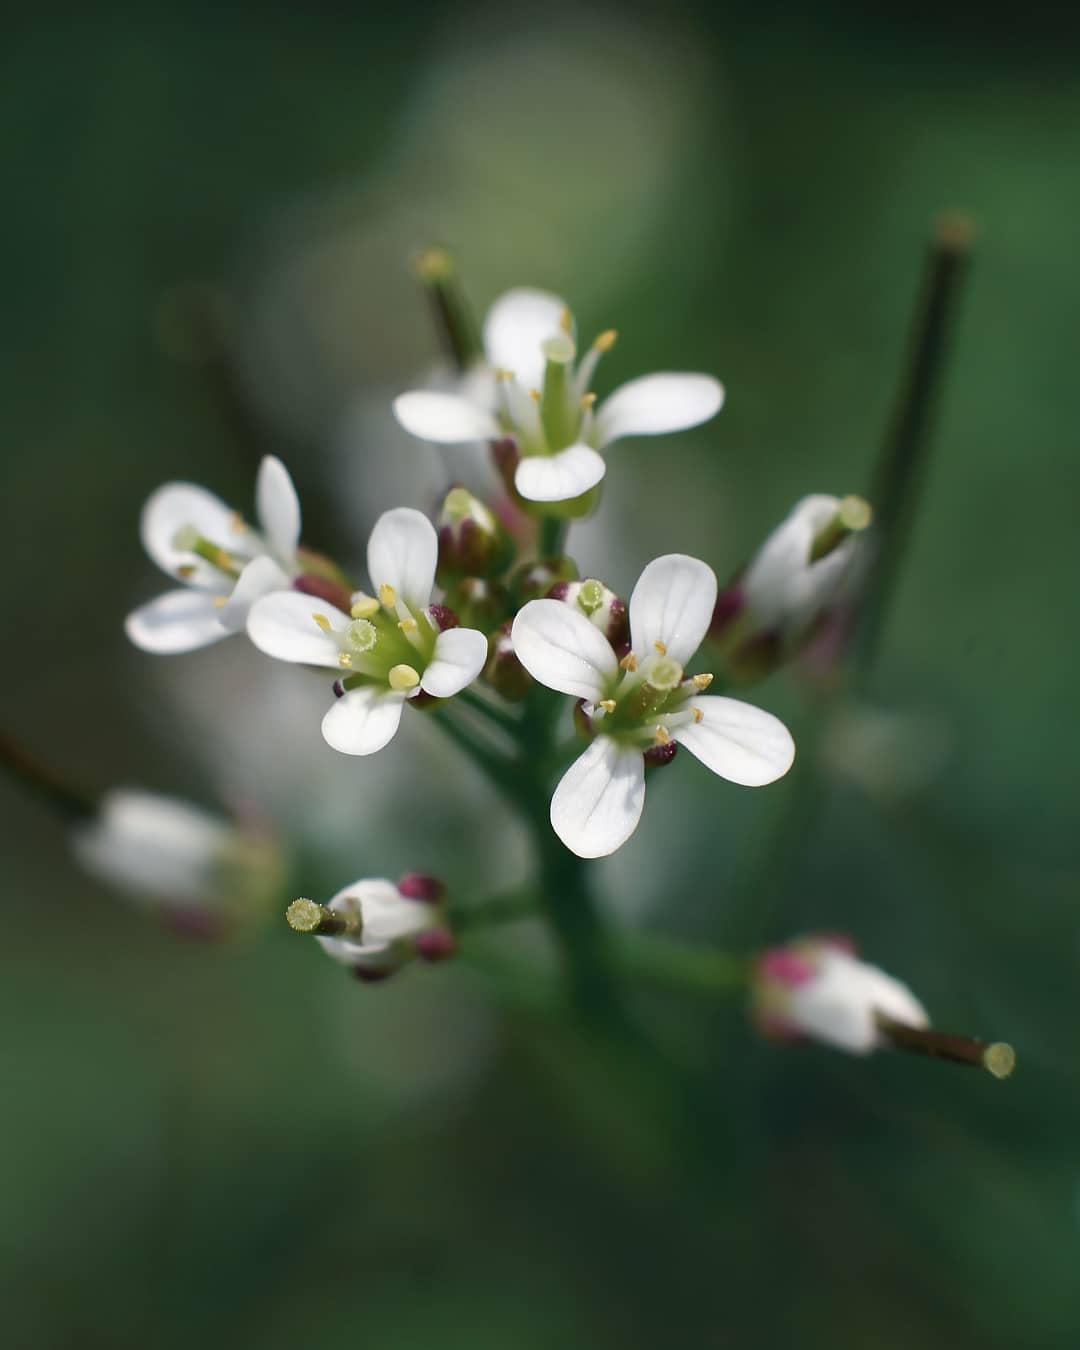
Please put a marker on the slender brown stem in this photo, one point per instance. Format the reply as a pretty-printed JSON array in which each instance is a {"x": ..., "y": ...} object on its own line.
[
  {"x": 996, "y": 1057},
  {"x": 70, "y": 802}
]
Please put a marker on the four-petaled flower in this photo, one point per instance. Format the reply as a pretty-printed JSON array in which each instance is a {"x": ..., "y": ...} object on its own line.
[
  {"x": 393, "y": 645},
  {"x": 539, "y": 398},
  {"x": 643, "y": 703},
  {"x": 225, "y": 565},
  {"x": 390, "y": 925},
  {"x": 816, "y": 988}
]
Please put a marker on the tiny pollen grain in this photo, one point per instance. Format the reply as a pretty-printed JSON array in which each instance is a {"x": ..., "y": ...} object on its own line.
[
  {"x": 322, "y": 621},
  {"x": 364, "y": 607},
  {"x": 606, "y": 340},
  {"x": 698, "y": 715},
  {"x": 186, "y": 570},
  {"x": 661, "y": 736},
  {"x": 629, "y": 662},
  {"x": 608, "y": 705},
  {"x": 387, "y": 595},
  {"x": 566, "y": 319},
  {"x": 501, "y": 373},
  {"x": 535, "y": 395},
  {"x": 344, "y": 659},
  {"x": 407, "y": 625},
  {"x": 661, "y": 647},
  {"x": 702, "y": 681},
  {"x": 236, "y": 523},
  {"x": 220, "y": 601}
]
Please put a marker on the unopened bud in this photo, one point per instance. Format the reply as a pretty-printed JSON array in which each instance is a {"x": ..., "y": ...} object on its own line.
[
  {"x": 333, "y": 592},
  {"x": 479, "y": 603},
  {"x": 600, "y": 605},
  {"x": 472, "y": 540},
  {"x": 435, "y": 945},
  {"x": 534, "y": 579},
  {"x": 420, "y": 886},
  {"x": 660, "y": 754},
  {"x": 503, "y": 670}
]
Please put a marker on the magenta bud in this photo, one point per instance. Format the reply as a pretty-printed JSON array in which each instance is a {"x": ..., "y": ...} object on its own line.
[
  {"x": 727, "y": 608},
  {"x": 504, "y": 671},
  {"x": 443, "y": 617},
  {"x": 472, "y": 540},
  {"x": 339, "y": 689},
  {"x": 435, "y": 945},
  {"x": 420, "y": 886},
  {"x": 658, "y": 755},
  {"x": 324, "y": 588}
]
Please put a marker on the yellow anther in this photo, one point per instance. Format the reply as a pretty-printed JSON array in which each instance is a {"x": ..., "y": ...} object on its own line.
[
  {"x": 535, "y": 395},
  {"x": 220, "y": 601},
  {"x": 661, "y": 736},
  {"x": 344, "y": 659},
  {"x": 661, "y": 647},
  {"x": 606, "y": 340},
  {"x": 407, "y": 625},
  {"x": 501, "y": 373},
  {"x": 186, "y": 571},
  {"x": 402, "y": 678},
  {"x": 608, "y": 705},
  {"x": 387, "y": 595},
  {"x": 587, "y": 400},
  {"x": 702, "y": 681},
  {"x": 364, "y": 606},
  {"x": 629, "y": 662},
  {"x": 698, "y": 715},
  {"x": 237, "y": 523},
  {"x": 566, "y": 320},
  {"x": 322, "y": 621},
  {"x": 434, "y": 264}
]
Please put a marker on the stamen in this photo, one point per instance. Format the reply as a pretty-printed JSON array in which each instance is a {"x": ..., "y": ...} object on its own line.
[
  {"x": 364, "y": 606},
  {"x": 661, "y": 647},
  {"x": 402, "y": 678},
  {"x": 220, "y": 601},
  {"x": 697, "y": 714},
  {"x": 322, "y": 621},
  {"x": 661, "y": 736},
  {"x": 566, "y": 320},
  {"x": 629, "y": 662},
  {"x": 606, "y": 340},
  {"x": 344, "y": 659},
  {"x": 387, "y": 596},
  {"x": 503, "y": 375},
  {"x": 186, "y": 571},
  {"x": 587, "y": 401},
  {"x": 407, "y": 625},
  {"x": 535, "y": 395},
  {"x": 608, "y": 704},
  {"x": 702, "y": 681},
  {"x": 237, "y": 523}
]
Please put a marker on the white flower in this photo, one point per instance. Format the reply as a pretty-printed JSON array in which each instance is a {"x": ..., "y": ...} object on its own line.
[
  {"x": 538, "y": 397},
  {"x": 796, "y": 574},
  {"x": 817, "y": 988},
  {"x": 393, "y": 925},
  {"x": 643, "y": 704},
  {"x": 390, "y": 648},
  {"x": 225, "y": 565},
  {"x": 168, "y": 853}
]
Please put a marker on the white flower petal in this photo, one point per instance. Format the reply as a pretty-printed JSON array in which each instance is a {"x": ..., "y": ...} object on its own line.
[
  {"x": 560, "y": 477},
  {"x": 838, "y": 1005},
  {"x": 460, "y": 654},
  {"x": 402, "y": 552},
  {"x": 515, "y": 326},
  {"x": 283, "y": 625},
  {"x": 278, "y": 508},
  {"x": 174, "y": 506},
  {"x": 739, "y": 742},
  {"x": 655, "y": 404},
  {"x": 446, "y": 419},
  {"x": 672, "y": 603},
  {"x": 178, "y": 621},
  {"x": 363, "y": 720},
  {"x": 262, "y": 576},
  {"x": 388, "y": 917},
  {"x": 558, "y": 646},
  {"x": 597, "y": 805}
]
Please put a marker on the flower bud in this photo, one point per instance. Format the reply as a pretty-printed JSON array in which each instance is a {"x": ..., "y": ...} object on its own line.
[
  {"x": 771, "y": 610},
  {"x": 600, "y": 605},
  {"x": 816, "y": 988},
  {"x": 504, "y": 671},
  {"x": 479, "y": 603},
  {"x": 533, "y": 580},
  {"x": 375, "y": 927},
  {"x": 472, "y": 540}
]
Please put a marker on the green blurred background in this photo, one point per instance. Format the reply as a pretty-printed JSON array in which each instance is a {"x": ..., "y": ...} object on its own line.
[{"x": 239, "y": 1144}]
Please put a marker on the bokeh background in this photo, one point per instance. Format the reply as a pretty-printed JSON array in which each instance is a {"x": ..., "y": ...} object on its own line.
[{"x": 239, "y": 1145}]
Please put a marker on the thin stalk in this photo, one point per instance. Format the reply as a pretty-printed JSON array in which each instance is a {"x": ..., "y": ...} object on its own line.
[
  {"x": 45, "y": 783},
  {"x": 686, "y": 967},
  {"x": 454, "y": 320},
  {"x": 503, "y": 718},
  {"x": 551, "y": 539},
  {"x": 499, "y": 767}
]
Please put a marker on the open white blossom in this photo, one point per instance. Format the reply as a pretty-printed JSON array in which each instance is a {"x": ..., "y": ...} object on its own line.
[
  {"x": 643, "y": 704},
  {"x": 224, "y": 564},
  {"x": 393, "y": 645},
  {"x": 817, "y": 988},
  {"x": 534, "y": 393},
  {"x": 172, "y": 855},
  {"x": 394, "y": 924}
]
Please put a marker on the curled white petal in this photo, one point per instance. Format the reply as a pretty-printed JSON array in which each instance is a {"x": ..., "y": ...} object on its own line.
[
  {"x": 782, "y": 587},
  {"x": 672, "y": 603},
  {"x": 387, "y": 916},
  {"x": 262, "y": 576},
  {"x": 598, "y": 803},
  {"x": 655, "y": 404},
  {"x": 283, "y": 625},
  {"x": 515, "y": 326},
  {"x": 363, "y": 720},
  {"x": 278, "y": 508},
  {"x": 560, "y": 477},
  {"x": 446, "y": 419},
  {"x": 838, "y": 1005},
  {"x": 402, "y": 552},
  {"x": 178, "y": 621},
  {"x": 174, "y": 506},
  {"x": 741, "y": 743},
  {"x": 460, "y": 654},
  {"x": 558, "y": 646}
]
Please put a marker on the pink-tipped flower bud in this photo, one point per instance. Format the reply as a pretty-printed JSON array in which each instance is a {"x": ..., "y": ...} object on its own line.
[
  {"x": 503, "y": 670},
  {"x": 420, "y": 886},
  {"x": 534, "y": 580},
  {"x": 816, "y": 988},
  {"x": 472, "y": 540},
  {"x": 658, "y": 755},
  {"x": 600, "y": 605},
  {"x": 375, "y": 927},
  {"x": 436, "y": 945}
]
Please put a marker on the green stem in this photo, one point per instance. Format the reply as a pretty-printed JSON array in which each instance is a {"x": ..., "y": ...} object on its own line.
[
  {"x": 683, "y": 966},
  {"x": 454, "y": 319},
  {"x": 495, "y": 909},
  {"x": 503, "y": 718},
  {"x": 499, "y": 768},
  {"x": 551, "y": 541}
]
